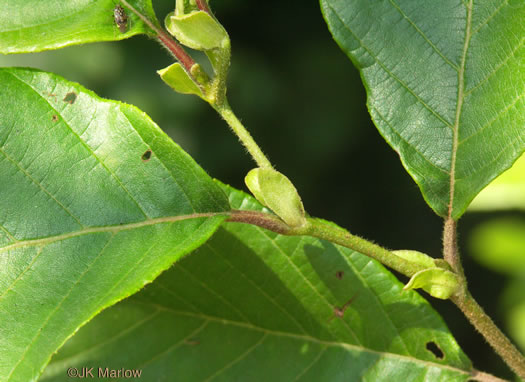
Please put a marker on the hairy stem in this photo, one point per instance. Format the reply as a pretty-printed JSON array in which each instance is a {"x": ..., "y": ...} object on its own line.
[
  {"x": 322, "y": 229},
  {"x": 244, "y": 136},
  {"x": 173, "y": 46},
  {"x": 450, "y": 248},
  {"x": 485, "y": 377},
  {"x": 473, "y": 311},
  {"x": 494, "y": 336}
]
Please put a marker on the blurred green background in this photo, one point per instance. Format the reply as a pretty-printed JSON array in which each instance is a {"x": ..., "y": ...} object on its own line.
[{"x": 305, "y": 105}]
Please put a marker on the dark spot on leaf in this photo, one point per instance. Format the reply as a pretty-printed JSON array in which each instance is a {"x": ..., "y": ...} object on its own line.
[
  {"x": 191, "y": 341},
  {"x": 70, "y": 98},
  {"x": 54, "y": 118},
  {"x": 339, "y": 312},
  {"x": 339, "y": 274},
  {"x": 434, "y": 349},
  {"x": 146, "y": 156}
]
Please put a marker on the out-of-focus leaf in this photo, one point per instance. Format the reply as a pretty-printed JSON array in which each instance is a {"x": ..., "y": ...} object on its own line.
[
  {"x": 36, "y": 25},
  {"x": 445, "y": 85},
  {"x": 251, "y": 305},
  {"x": 507, "y": 191},
  {"x": 514, "y": 306},
  {"x": 499, "y": 244},
  {"x": 95, "y": 202}
]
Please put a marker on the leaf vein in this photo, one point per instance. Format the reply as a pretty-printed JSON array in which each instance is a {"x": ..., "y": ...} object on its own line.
[
  {"x": 10, "y": 287},
  {"x": 42, "y": 188},
  {"x": 309, "y": 366},
  {"x": 79, "y": 139},
  {"x": 220, "y": 297},
  {"x": 493, "y": 119},
  {"x": 268, "y": 297},
  {"x": 408, "y": 143},
  {"x": 55, "y": 310},
  {"x": 420, "y": 32},
  {"x": 108, "y": 228},
  {"x": 497, "y": 67},
  {"x": 238, "y": 359},
  {"x": 390, "y": 73},
  {"x": 165, "y": 167},
  {"x": 461, "y": 89},
  {"x": 305, "y": 279},
  {"x": 70, "y": 359},
  {"x": 174, "y": 346},
  {"x": 276, "y": 333},
  {"x": 358, "y": 273},
  {"x": 498, "y": 9}
]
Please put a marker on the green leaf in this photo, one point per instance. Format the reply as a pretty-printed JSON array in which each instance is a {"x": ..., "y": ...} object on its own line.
[
  {"x": 499, "y": 244},
  {"x": 513, "y": 304},
  {"x": 507, "y": 191},
  {"x": 438, "y": 282},
  {"x": 177, "y": 78},
  {"x": 96, "y": 201},
  {"x": 251, "y": 305},
  {"x": 445, "y": 86},
  {"x": 35, "y": 25}
]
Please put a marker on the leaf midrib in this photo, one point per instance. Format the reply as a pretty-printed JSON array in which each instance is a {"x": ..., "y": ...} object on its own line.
[
  {"x": 461, "y": 96},
  {"x": 108, "y": 229}
]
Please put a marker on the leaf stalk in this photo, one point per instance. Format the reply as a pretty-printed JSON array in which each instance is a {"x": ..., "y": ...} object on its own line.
[
  {"x": 244, "y": 136},
  {"x": 325, "y": 230},
  {"x": 473, "y": 311},
  {"x": 492, "y": 334}
]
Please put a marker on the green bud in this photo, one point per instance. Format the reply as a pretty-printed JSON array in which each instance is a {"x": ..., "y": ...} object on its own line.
[
  {"x": 416, "y": 257},
  {"x": 437, "y": 282},
  {"x": 197, "y": 30},
  {"x": 176, "y": 77},
  {"x": 277, "y": 192}
]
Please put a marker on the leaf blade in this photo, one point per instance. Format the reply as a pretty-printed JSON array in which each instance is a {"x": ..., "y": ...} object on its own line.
[
  {"x": 420, "y": 64},
  {"x": 267, "y": 302},
  {"x": 33, "y": 26},
  {"x": 85, "y": 216}
]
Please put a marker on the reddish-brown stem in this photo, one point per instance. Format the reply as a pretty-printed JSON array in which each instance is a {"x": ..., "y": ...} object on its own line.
[
  {"x": 260, "y": 219},
  {"x": 173, "y": 46},
  {"x": 178, "y": 51},
  {"x": 203, "y": 5}
]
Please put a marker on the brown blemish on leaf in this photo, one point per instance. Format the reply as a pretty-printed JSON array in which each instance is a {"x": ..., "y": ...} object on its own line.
[
  {"x": 339, "y": 275},
  {"x": 54, "y": 118},
  {"x": 70, "y": 98},
  {"x": 146, "y": 156},
  {"x": 340, "y": 312},
  {"x": 191, "y": 341},
  {"x": 435, "y": 350}
]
